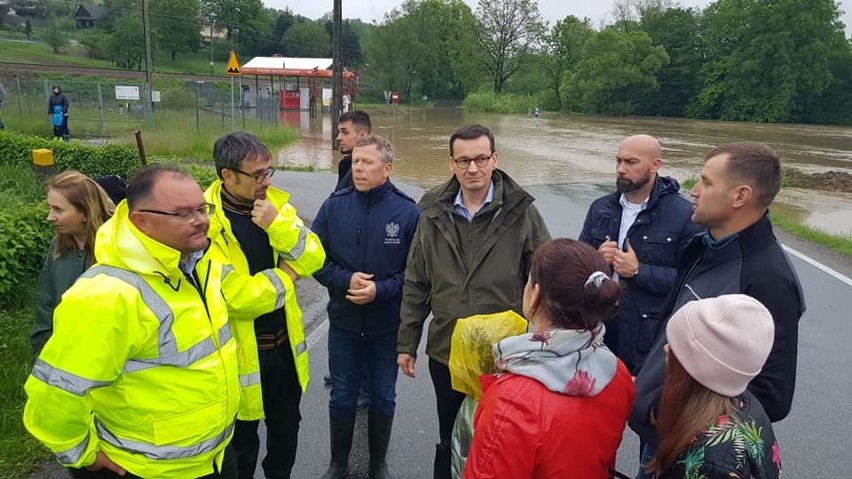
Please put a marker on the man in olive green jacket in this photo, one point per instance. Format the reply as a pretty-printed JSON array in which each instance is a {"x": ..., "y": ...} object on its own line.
[{"x": 470, "y": 255}]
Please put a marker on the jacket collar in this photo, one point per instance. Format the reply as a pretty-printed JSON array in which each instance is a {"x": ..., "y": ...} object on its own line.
[
  {"x": 507, "y": 195},
  {"x": 376, "y": 193}
]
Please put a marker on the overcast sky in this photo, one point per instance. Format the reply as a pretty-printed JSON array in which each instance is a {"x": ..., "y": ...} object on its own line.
[{"x": 551, "y": 10}]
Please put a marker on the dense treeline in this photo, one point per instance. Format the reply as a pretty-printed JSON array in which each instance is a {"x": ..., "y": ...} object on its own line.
[
  {"x": 748, "y": 60},
  {"x": 182, "y": 26}
]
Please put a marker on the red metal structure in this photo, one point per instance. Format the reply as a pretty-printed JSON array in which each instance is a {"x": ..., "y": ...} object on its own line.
[{"x": 291, "y": 72}]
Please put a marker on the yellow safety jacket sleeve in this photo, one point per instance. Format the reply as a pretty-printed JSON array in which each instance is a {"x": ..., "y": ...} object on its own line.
[
  {"x": 250, "y": 296},
  {"x": 300, "y": 247},
  {"x": 86, "y": 351}
]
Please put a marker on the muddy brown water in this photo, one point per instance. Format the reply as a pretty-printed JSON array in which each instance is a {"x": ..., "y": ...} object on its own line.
[{"x": 572, "y": 149}]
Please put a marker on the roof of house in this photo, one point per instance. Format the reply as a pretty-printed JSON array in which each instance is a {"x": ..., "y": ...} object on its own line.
[{"x": 87, "y": 12}]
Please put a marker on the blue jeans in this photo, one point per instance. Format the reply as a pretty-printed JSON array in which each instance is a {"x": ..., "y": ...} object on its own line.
[
  {"x": 646, "y": 454},
  {"x": 348, "y": 354}
]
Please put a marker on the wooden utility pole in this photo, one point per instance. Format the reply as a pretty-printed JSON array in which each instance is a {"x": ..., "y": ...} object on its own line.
[
  {"x": 149, "y": 63},
  {"x": 337, "y": 70}
]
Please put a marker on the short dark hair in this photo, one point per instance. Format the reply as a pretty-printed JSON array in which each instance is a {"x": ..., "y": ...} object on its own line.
[
  {"x": 140, "y": 185},
  {"x": 382, "y": 144},
  {"x": 755, "y": 164},
  {"x": 561, "y": 268},
  {"x": 471, "y": 131},
  {"x": 232, "y": 148},
  {"x": 359, "y": 118}
]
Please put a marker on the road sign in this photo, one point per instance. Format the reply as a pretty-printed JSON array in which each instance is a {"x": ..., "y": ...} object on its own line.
[{"x": 233, "y": 67}]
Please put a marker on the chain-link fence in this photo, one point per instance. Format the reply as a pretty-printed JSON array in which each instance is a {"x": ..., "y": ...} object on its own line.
[{"x": 103, "y": 108}]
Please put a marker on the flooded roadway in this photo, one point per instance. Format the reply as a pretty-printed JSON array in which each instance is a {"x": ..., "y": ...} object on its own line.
[{"x": 573, "y": 149}]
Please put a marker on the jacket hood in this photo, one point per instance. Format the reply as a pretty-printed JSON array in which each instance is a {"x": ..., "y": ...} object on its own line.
[
  {"x": 569, "y": 362},
  {"x": 665, "y": 185},
  {"x": 120, "y": 244},
  {"x": 507, "y": 194}
]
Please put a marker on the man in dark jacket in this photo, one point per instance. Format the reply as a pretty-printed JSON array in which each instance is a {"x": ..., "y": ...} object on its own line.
[
  {"x": 351, "y": 126},
  {"x": 641, "y": 230},
  {"x": 58, "y": 99},
  {"x": 366, "y": 232},
  {"x": 738, "y": 254},
  {"x": 471, "y": 255}
]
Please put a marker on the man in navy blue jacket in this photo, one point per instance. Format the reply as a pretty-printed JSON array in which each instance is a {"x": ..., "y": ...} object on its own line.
[
  {"x": 641, "y": 230},
  {"x": 366, "y": 231}
]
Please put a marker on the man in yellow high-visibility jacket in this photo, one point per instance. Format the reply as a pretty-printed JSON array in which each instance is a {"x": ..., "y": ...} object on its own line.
[
  {"x": 255, "y": 227},
  {"x": 140, "y": 376}
]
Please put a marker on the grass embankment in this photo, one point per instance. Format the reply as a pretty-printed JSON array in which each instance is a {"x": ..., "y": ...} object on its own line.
[
  {"x": 197, "y": 63},
  {"x": 841, "y": 244}
]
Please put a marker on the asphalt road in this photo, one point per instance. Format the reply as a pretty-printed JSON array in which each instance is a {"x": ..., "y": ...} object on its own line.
[{"x": 813, "y": 439}]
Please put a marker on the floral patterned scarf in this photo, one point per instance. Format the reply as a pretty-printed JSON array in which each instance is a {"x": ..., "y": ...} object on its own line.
[{"x": 570, "y": 362}]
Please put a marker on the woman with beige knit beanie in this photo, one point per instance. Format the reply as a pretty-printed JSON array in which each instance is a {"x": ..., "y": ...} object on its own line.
[{"x": 710, "y": 425}]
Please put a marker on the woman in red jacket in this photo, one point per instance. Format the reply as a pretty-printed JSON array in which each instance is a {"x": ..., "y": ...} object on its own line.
[{"x": 558, "y": 406}]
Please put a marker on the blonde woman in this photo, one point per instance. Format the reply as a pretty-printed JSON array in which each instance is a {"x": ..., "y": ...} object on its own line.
[{"x": 78, "y": 207}]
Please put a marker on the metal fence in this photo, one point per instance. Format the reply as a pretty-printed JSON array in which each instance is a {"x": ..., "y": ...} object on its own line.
[{"x": 111, "y": 107}]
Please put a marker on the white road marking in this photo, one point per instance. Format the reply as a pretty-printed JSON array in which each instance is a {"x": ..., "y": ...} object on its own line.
[{"x": 816, "y": 264}]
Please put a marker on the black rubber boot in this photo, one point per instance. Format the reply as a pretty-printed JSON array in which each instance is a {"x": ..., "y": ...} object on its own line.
[
  {"x": 443, "y": 459},
  {"x": 379, "y": 428},
  {"x": 341, "y": 427}
]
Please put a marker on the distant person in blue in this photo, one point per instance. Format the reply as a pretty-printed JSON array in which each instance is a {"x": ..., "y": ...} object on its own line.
[
  {"x": 366, "y": 231},
  {"x": 57, "y": 108}
]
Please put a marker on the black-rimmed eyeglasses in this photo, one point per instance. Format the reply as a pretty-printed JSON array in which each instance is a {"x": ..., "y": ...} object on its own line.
[
  {"x": 187, "y": 216},
  {"x": 258, "y": 177},
  {"x": 481, "y": 161}
]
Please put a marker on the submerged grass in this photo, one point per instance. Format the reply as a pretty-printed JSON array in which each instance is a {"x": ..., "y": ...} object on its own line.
[{"x": 841, "y": 244}]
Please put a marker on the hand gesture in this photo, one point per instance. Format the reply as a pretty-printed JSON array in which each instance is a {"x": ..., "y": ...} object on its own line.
[
  {"x": 103, "y": 462},
  {"x": 362, "y": 289},
  {"x": 626, "y": 263},
  {"x": 263, "y": 213},
  {"x": 607, "y": 250},
  {"x": 406, "y": 364}
]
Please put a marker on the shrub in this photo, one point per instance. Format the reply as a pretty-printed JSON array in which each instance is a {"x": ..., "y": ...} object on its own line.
[
  {"x": 24, "y": 235},
  {"x": 487, "y": 102},
  {"x": 16, "y": 150}
]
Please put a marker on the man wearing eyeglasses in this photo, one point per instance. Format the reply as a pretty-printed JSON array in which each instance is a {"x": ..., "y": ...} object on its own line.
[
  {"x": 470, "y": 255},
  {"x": 140, "y": 378},
  {"x": 255, "y": 226}
]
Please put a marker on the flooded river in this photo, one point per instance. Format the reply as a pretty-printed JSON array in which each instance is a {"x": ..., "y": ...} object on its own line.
[{"x": 559, "y": 149}]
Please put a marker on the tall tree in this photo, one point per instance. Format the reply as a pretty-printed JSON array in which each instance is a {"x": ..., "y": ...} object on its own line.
[
  {"x": 127, "y": 42},
  {"x": 57, "y": 33},
  {"x": 169, "y": 20},
  {"x": 768, "y": 60},
  {"x": 563, "y": 49},
  {"x": 615, "y": 73},
  {"x": 307, "y": 39},
  {"x": 507, "y": 30},
  {"x": 679, "y": 31},
  {"x": 242, "y": 19}
]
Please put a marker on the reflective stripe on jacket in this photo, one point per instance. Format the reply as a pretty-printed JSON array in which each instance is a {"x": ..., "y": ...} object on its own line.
[
  {"x": 303, "y": 252},
  {"x": 142, "y": 364}
]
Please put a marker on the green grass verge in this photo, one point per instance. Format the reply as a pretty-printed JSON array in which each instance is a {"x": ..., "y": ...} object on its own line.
[
  {"x": 19, "y": 451},
  {"x": 841, "y": 244},
  {"x": 197, "y": 63},
  {"x": 172, "y": 133}
]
